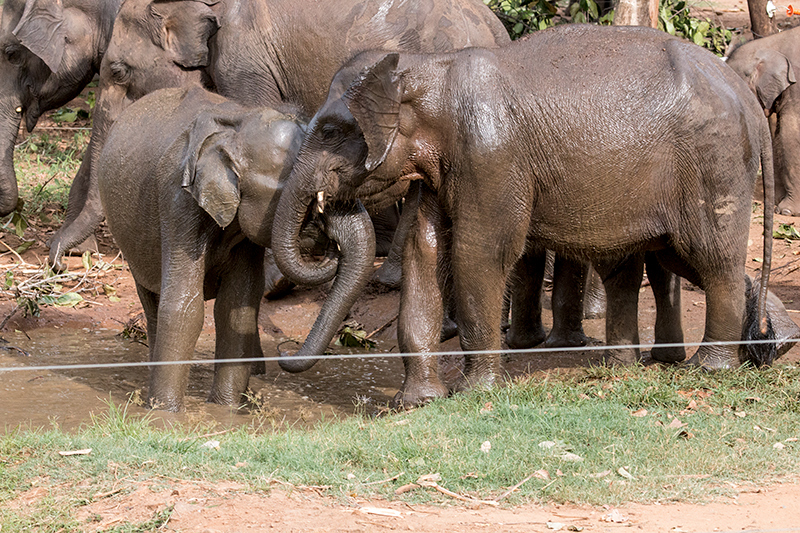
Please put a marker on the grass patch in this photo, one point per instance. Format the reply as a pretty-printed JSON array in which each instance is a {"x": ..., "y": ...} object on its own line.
[
  {"x": 604, "y": 436},
  {"x": 45, "y": 164}
]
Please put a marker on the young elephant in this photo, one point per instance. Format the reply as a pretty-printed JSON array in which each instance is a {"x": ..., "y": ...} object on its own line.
[
  {"x": 189, "y": 181},
  {"x": 767, "y": 64},
  {"x": 598, "y": 143}
]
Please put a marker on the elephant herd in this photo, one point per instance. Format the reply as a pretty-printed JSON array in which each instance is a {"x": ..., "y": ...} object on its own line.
[{"x": 230, "y": 132}]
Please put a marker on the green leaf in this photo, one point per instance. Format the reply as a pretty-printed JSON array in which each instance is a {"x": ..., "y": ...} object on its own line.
[
  {"x": 9, "y": 281},
  {"x": 86, "y": 260},
  {"x": 592, "y": 8},
  {"x": 786, "y": 231},
  {"x": 24, "y": 246},
  {"x": 70, "y": 299},
  {"x": 699, "y": 39},
  {"x": 354, "y": 338}
]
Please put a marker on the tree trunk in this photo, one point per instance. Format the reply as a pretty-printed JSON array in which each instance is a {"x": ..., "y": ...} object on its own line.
[
  {"x": 760, "y": 21},
  {"x": 636, "y": 13}
]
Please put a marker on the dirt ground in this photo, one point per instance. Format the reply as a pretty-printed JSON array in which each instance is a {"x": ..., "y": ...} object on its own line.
[{"x": 227, "y": 507}]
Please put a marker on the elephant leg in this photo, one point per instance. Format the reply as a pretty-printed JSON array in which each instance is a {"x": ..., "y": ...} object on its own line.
[
  {"x": 390, "y": 272},
  {"x": 725, "y": 311},
  {"x": 180, "y": 320},
  {"x": 594, "y": 296},
  {"x": 666, "y": 287},
  {"x": 622, "y": 281},
  {"x": 385, "y": 224},
  {"x": 421, "y": 302},
  {"x": 569, "y": 282},
  {"x": 525, "y": 286},
  {"x": 149, "y": 302},
  {"x": 787, "y": 161},
  {"x": 236, "y": 322}
]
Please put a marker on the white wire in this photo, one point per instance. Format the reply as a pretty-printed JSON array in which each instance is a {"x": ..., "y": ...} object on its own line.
[{"x": 376, "y": 355}]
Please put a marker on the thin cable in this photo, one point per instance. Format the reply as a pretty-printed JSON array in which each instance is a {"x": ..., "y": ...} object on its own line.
[{"x": 387, "y": 355}]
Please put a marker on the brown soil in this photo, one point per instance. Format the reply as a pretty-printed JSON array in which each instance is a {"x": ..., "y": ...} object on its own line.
[{"x": 218, "y": 507}]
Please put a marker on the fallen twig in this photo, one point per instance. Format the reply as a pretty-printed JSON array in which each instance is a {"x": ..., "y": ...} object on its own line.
[
  {"x": 384, "y": 480},
  {"x": 13, "y": 251},
  {"x": 428, "y": 481},
  {"x": 515, "y": 487},
  {"x": 386, "y": 325}
]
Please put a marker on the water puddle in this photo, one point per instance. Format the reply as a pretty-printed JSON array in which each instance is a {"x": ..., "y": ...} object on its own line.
[{"x": 69, "y": 398}]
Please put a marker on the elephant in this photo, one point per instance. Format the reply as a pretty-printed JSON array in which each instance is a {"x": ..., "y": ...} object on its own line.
[
  {"x": 599, "y": 143},
  {"x": 51, "y": 49},
  {"x": 767, "y": 64},
  {"x": 190, "y": 198},
  {"x": 258, "y": 52}
]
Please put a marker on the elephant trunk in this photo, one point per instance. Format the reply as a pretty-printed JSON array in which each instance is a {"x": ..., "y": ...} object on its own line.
[
  {"x": 352, "y": 230},
  {"x": 84, "y": 209},
  {"x": 290, "y": 216},
  {"x": 10, "y": 117}
]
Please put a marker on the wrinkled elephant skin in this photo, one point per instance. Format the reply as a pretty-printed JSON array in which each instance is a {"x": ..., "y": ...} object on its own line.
[
  {"x": 585, "y": 180},
  {"x": 193, "y": 195},
  {"x": 50, "y": 50},
  {"x": 258, "y": 53},
  {"x": 770, "y": 65}
]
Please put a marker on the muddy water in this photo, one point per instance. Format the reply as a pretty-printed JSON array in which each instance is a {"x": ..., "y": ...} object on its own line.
[
  {"x": 331, "y": 389},
  {"x": 69, "y": 398}
]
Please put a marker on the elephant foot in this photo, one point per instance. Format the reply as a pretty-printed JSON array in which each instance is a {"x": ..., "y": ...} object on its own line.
[
  {"x": 622, "y": 357},
  {"x": 673, "y": 354},
  {"x": 788, "y": 208},
  {"x": 528, "y": 338},
  {"x": 449, "y": 329},
  {"x": 417, "y": 394},
  {"x": 171, "y": 404},
  {"x": 477, "y": 381},
  {"x": 566, "y": 339},
  {"x": 714, "y": 358},
  {"x": 228, "y": 398}
]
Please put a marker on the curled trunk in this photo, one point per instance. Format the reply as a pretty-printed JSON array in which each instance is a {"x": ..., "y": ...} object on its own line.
[
  {"x": 290, "y": 216},
  {"x": 352, "y": 230},
  {"x": 9, "y": 127}
]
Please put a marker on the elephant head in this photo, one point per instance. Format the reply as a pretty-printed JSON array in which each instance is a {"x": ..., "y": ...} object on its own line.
[
  {"x": 49, "y": 51},
  {"x": 350, "y": 152},
  {"x": 235, "y": 163},
  {"x": 767, "y": 71}
]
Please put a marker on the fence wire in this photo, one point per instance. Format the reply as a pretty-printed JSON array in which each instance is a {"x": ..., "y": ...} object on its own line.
[{"x": 384, "y": 355}]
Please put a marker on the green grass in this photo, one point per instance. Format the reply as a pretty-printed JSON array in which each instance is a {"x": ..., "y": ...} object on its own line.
[
  {"x": 733, "y": 421},
  {"x": 45, "y": 164}
]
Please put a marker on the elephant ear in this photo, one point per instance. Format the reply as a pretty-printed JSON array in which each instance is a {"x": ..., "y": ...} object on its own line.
[
  {"x": 183, "y": 29},
  {"x": 209, "y": 168},
  {"x": 374, "y": 101},
  {"x": 41, "y": 30},
  {"x": 771, "y": 76}
]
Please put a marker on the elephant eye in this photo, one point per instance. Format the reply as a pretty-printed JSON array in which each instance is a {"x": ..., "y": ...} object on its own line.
[
  {"x": 330, "y": 131},
  {"x": 13, "y": 54},
  {"x": 120, "y": 73}
]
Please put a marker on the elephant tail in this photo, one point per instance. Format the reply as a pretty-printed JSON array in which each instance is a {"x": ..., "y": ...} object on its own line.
[{"x": 768, "y": 178}]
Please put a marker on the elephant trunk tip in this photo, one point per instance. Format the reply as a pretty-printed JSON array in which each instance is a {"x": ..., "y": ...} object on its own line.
[{"x": 291, "y": 362}]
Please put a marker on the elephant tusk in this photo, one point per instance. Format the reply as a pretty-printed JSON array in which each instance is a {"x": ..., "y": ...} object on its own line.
[
  {"x": 18, "y": 109},
  {"x": 320, "y": 201}
]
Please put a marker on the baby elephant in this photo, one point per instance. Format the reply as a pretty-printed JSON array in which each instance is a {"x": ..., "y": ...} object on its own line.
[{"x": 189, "y": 182}]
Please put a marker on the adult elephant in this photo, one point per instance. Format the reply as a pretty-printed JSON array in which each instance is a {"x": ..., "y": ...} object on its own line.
[
  {"x": 49, "y": 51},
  {"x": 275, "y": 53},
  {"x": 768, "y": 65},
  {"x": 655, "y": 147}
]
